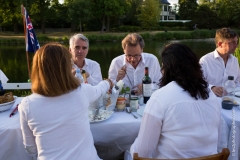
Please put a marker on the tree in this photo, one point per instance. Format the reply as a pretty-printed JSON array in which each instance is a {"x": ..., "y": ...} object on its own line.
[
  {"x": 229, "y": 9},
  {"x": 150, "y": 13},
  {"x": 131, "y": 16},
  {"x": 10, "y": 13},
  {"x": 40, "y": 11},
  {"x": 79, "y": 11},
  {"x": 105, "y": 8},
  {"x": 203, "y": 19},
  {"x": 58, "y": 15},
  {"x": 187, "y": 9}
]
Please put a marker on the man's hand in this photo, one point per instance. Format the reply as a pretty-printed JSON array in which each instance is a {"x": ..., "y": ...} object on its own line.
[
  {"x": 138, "y": 89},
  {"x": 121, "y": 73},
  {"x": 217, "y": 90}
]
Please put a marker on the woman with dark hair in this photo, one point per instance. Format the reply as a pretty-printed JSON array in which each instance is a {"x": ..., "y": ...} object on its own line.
[
  {"x": 54, "y": 119},
  {"x": 181, "y": 119}
]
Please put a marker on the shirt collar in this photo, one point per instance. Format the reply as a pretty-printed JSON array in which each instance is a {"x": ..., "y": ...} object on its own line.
[{"x": 216, "y": 55}]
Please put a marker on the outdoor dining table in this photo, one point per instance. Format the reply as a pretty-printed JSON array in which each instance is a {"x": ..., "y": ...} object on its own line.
[
  {"x": 232, "y": 118},
  {"x": 111, "y": 137}
]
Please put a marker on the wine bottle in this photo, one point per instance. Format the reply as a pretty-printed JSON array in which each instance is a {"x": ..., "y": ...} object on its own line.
[
  {"x": 2, "y": 92},
  {"x": 146, "y": 86}
]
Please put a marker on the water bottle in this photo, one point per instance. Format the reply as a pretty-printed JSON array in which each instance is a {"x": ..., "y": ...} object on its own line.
[
  {"x": 2, "y": 92},
  {"x": 79, "y": 76},
  {"x": 229, "y": 88}
]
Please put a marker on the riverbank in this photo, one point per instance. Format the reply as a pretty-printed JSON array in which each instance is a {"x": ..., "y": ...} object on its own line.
[{"x": 62, "y": 36}]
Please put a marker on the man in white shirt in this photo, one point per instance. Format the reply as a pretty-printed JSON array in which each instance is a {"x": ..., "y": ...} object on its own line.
[
  {"x": 78, "y": 46},
  {"x": 220, "y": 64},
  {"x": 130, "y": 66},
  {"x": 3, "y": 77}
]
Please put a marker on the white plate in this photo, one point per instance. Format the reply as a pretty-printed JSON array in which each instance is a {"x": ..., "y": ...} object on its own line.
[
  {"x": 8, "y": 105},
  {"x": 237, "y": 93},
  {"x": 102, "y": 116},
  {"x": 141, "y": 110}
]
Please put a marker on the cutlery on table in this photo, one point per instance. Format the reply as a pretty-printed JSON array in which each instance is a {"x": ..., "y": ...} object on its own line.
[
  {"x": 14, "y": 111},
  {"x": 96, "y": 114},
  {"x": 128, "y": 110}
]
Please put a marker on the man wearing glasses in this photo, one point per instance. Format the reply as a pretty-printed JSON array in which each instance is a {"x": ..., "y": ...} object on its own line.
[
  {"x": 130, "y": 66},
  {"x": 220, "y": 64}
]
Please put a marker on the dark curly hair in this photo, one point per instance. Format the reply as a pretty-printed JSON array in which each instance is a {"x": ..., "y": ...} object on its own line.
[{"x": 181, "y": 64}]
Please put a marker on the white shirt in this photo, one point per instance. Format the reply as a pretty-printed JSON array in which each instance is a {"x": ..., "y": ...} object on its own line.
[
  {"x": 94, "y": 70},
  {"x": 176, "y": 125},
  {"x": 58, "y": 127},
  {"x": 215, "y": 71},
  {"x": 136, "y": 75},
  {"x": 3, "y": 77}
]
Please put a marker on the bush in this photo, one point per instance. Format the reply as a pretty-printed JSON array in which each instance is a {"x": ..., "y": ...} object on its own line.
[{"x": 237, "y": 53}]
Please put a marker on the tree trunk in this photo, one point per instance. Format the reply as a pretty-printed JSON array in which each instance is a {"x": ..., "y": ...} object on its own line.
[
  {"x": 72, "y": 27},
  {"x": 108, "y": 22},
  {"x": 43, "y": 27},
  {"x": 80, "y": 26},
  {"x": 16, "y": 28},
  {"x": 103, "y": 23}
]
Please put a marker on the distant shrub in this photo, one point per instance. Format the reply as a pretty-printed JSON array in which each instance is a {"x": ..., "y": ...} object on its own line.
[{"x": 237, "y": 53}]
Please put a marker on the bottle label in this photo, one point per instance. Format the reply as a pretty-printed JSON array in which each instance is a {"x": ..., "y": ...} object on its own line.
[{"x": 147, "y": 90}]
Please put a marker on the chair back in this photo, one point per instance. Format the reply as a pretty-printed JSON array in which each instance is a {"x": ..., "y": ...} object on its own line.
[
  {"x": 220, "y": 156},
  {"x": 16, "y": 86}
]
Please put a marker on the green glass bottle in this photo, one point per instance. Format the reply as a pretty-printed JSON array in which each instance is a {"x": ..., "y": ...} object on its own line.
[{"x": 146, "y": 86}]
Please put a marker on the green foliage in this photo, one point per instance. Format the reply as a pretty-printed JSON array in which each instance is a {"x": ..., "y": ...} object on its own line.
[
  {"x": 125, "y": 90},
  {"x": 149, "y": 16},
  {"x": 128, "y": 29},
  {"x": 22, "y": 93},
  {"x": 187, "y": 9},
  {"x": 79, "y": 11},
  {"x": 132, "y": 10},
  {"x": 237, "y": 53},
  {"x": 206, "y": 21}
]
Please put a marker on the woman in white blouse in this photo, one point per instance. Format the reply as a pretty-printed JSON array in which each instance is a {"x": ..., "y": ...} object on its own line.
[
  {"x": 54, "y": 119},
  {"x": 181, "y": 119}
]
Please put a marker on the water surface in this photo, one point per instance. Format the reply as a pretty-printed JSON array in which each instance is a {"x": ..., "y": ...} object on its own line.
[{"x": 14, "y": 64}]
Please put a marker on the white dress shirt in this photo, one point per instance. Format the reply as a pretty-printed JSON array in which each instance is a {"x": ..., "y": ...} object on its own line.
[
  {"x": 215, "y": 71},
  {"x": 58, "y": 127},
  {"x": 135, "y": 75},
  {"x": 3, "y": 77},
  {"x": 176, "y": 125},
  {"x": 94, "y": 70}
]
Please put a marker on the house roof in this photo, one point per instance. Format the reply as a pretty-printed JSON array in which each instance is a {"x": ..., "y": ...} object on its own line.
[{"x": 165, "y": 2}]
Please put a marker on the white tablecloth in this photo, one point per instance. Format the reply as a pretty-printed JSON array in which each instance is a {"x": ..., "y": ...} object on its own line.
[
  {"x": 112, "y": 136},
  {"x": 11, "y": 141},
  {"x": 234, "y": 135}
]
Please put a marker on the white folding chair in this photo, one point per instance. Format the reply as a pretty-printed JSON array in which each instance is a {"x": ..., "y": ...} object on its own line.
[{"x": 16, "y": 86}]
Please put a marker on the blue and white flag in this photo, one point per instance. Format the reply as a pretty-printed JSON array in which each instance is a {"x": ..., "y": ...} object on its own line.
[{"x": 32, "y": 44}]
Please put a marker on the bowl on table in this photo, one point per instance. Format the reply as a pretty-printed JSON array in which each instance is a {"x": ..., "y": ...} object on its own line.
[{"x": 6, "y": 101}]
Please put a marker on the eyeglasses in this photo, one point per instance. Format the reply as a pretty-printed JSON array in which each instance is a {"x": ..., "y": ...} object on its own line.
[{"x": 131, "y": 56}]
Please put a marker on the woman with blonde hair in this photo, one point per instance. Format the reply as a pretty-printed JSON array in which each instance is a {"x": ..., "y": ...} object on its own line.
[{"x": 54, "y": 119}]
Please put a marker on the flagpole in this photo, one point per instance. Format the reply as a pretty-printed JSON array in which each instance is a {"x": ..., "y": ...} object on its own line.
[{"x": 24, "y": 24}]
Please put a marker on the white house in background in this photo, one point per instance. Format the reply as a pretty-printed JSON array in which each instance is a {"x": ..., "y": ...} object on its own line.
[{"x": 167, "y": 13}]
